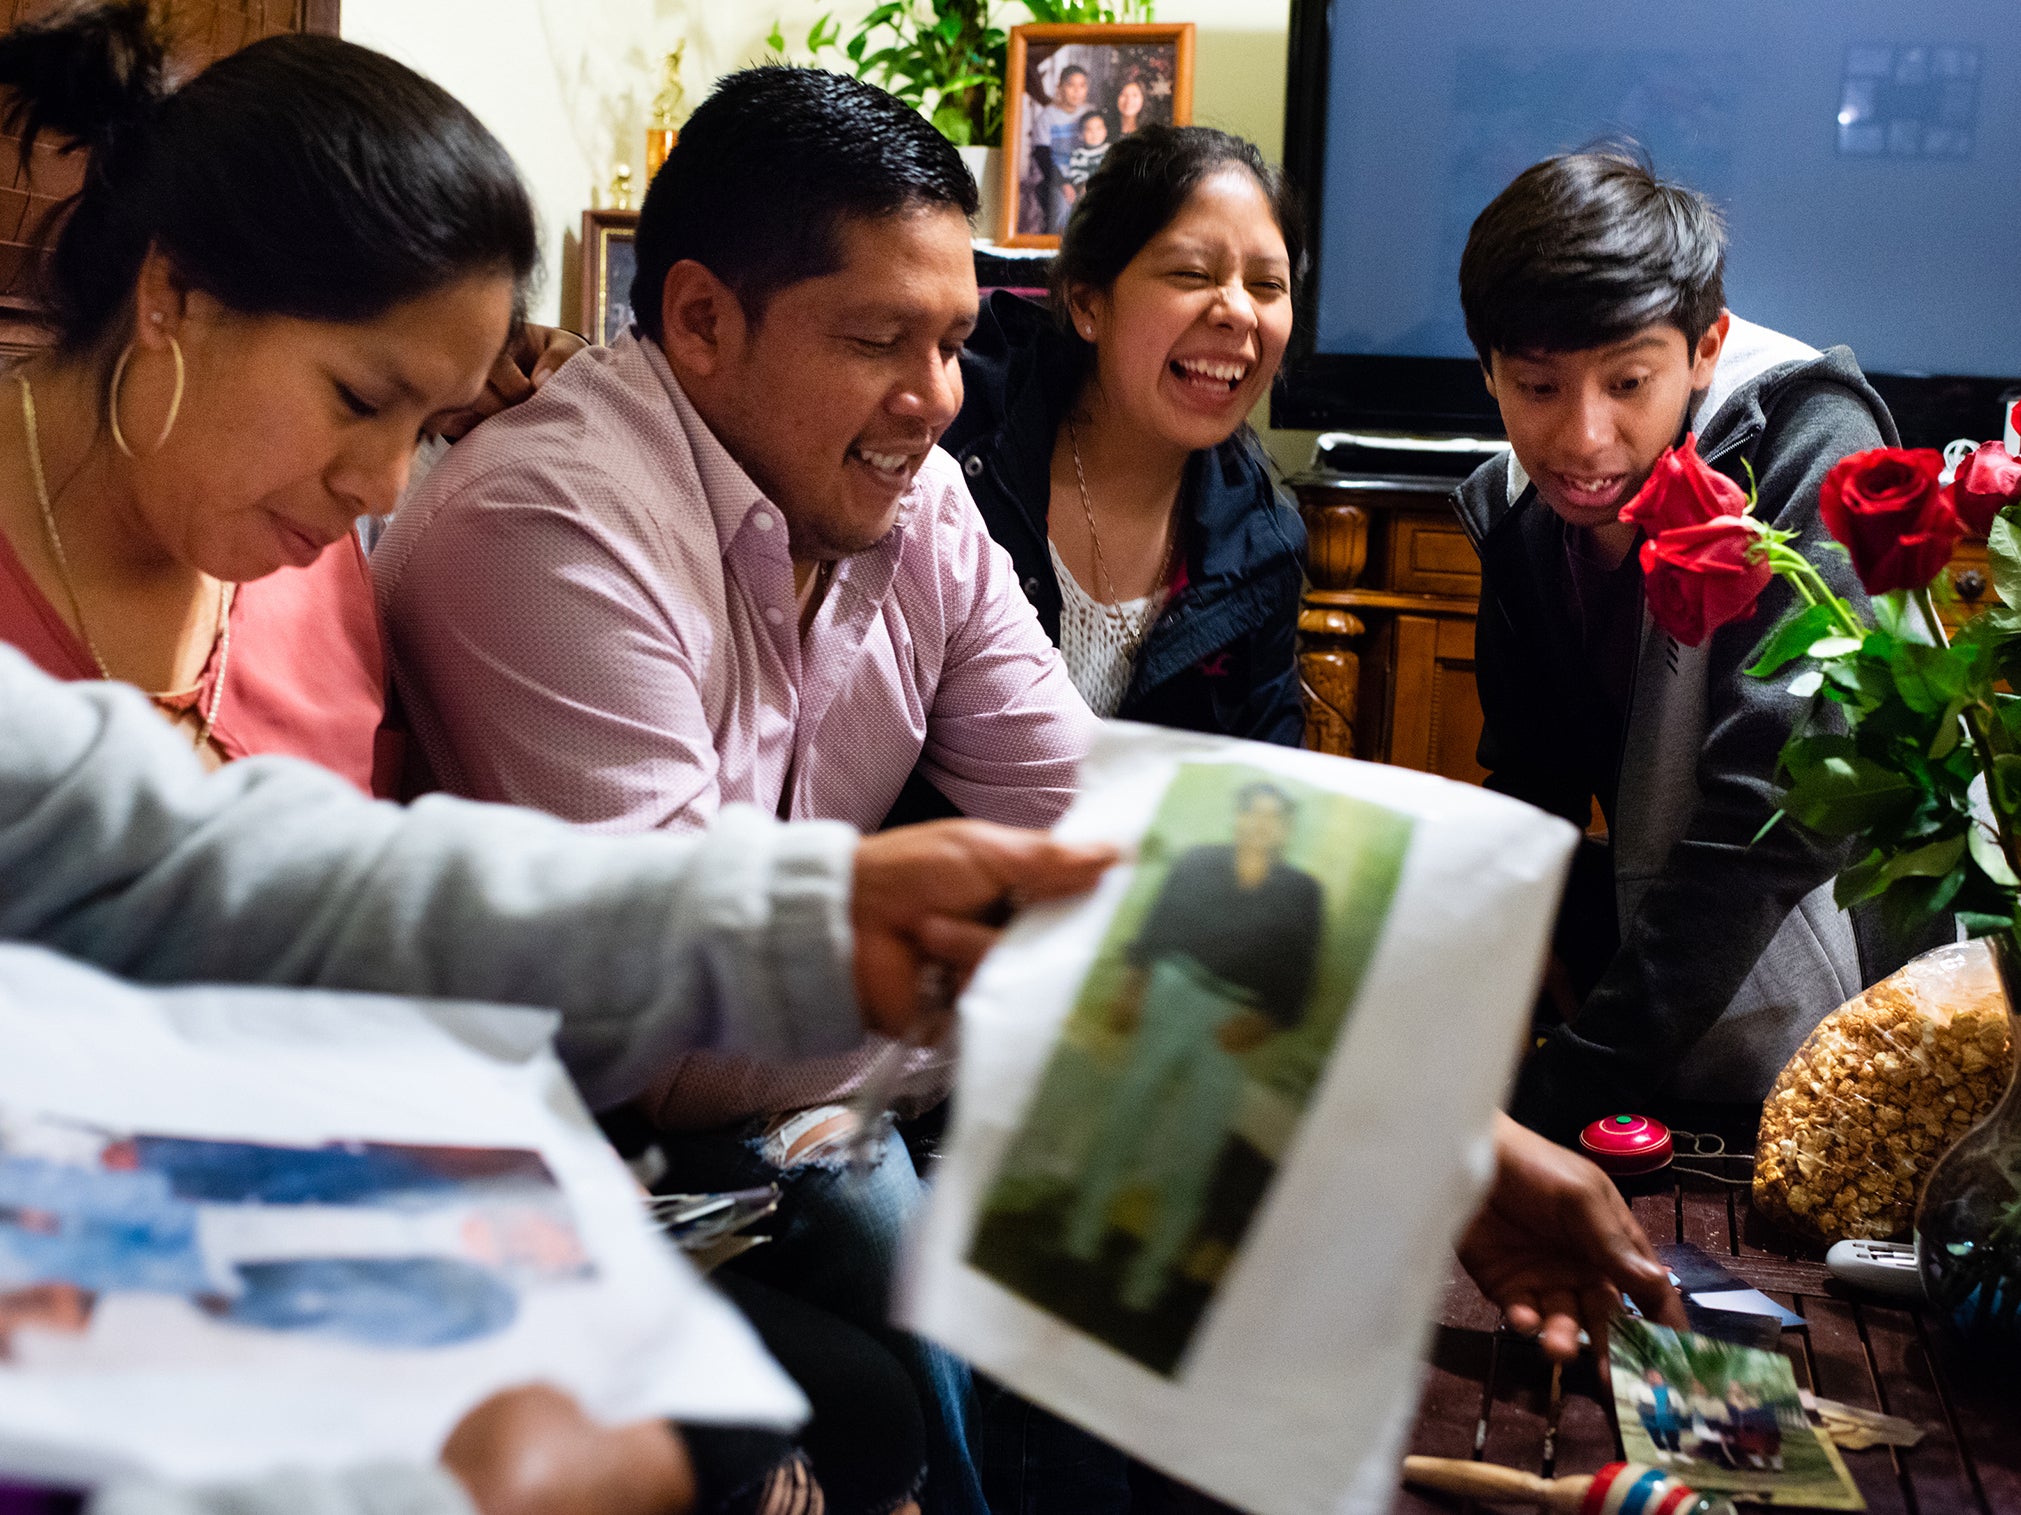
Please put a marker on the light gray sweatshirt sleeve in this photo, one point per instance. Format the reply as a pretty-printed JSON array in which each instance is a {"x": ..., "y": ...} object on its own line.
[
  {"x": 380, "y": 1489},
  {"x": 116, "y": 847}
]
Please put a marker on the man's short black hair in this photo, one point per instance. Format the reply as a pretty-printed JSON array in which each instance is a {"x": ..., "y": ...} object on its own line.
[
  {"x": 766, "y": 171},
  {"x": 1588, "y": 248}
]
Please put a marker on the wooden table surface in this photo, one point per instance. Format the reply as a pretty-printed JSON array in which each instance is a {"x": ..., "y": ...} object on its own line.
[{"x": 1487, "y": 1392}]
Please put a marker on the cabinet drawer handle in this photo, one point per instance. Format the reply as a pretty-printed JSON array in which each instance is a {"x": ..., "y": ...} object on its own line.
[{"x": 1970, "y": 584}]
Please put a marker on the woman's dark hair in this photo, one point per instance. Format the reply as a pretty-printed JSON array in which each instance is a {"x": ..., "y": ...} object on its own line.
[
  {"x": 302, "y": 177},
  {"x": 1585, "y": 249},
  {"x": 767, "y": 170},
  {"x": 1140, "y": 186}
]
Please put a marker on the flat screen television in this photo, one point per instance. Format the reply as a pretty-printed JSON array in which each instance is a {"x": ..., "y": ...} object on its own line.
[{"x": 1866, "y": 155}]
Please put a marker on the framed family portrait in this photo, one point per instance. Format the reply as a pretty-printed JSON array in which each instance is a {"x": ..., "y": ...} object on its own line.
[
  {"x": 609, "y": 259},
  {"x": 1072, "y": 93}
]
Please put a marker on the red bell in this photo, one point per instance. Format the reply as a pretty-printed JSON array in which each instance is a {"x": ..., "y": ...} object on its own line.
[{"x": 1624, "y": 1144}]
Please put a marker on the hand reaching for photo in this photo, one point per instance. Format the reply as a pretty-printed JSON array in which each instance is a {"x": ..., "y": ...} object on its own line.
[{"x": 1554, "y": 1246}]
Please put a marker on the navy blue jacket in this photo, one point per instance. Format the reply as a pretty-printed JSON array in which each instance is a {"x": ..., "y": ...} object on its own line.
[{"x": 1222, "y": 657}]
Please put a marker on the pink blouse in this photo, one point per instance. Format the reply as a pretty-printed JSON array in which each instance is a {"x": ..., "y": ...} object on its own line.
[{"x": 307, "y": 677}]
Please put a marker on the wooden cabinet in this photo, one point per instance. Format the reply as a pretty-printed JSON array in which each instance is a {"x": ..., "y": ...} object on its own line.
[{"x": 1387, "y": 630}]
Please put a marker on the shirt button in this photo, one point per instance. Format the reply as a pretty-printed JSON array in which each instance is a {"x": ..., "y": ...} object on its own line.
[
  {"x": 763, "y": 520},
  {"x": 775, "y": 615},
  {"x": 973, "y": 466},
  {"x": 1032, "y": 588}
]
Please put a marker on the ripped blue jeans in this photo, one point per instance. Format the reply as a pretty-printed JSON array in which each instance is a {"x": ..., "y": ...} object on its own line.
[{"x": 835, "y": 1245}]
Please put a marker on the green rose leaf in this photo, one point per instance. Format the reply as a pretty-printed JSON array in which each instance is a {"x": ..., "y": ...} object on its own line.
[
  {"x": 1928, "y": 678},
  {"x": 2003, "y": 556},
  {"x": 1991, "y": 860},
  {"x": 1836, "y": 792},
  {"x": 1792, "y": 639},
  {"x": 1825, "y": 648}
]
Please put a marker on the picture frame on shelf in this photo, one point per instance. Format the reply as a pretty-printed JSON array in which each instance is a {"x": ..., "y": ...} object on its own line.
[
  {"x": 609, "y": 259},
  {"x": 1070, "y": 92}
]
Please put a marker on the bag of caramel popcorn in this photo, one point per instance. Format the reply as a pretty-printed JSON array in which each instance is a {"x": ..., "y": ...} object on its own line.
[{"x": 1880, "y": 1091}]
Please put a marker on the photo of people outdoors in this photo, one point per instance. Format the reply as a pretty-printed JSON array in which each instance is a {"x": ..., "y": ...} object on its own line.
[
  {"x": 1072, "y": 98},
  {"x": 1724, "y": 1416},
  {"x": 374, "y": 1244},
  {"x": 1191, "y": 1054}
]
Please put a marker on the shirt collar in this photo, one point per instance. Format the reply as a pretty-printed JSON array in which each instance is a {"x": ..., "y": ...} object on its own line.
[{"x": 728, "y": 490}]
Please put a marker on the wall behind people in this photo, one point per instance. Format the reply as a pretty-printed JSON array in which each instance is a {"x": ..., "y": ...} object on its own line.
[{"x": 565, "y": 84}]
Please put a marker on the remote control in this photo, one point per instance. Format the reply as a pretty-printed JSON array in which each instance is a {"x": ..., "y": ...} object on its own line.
[{"x": 1883, "y": 1267}]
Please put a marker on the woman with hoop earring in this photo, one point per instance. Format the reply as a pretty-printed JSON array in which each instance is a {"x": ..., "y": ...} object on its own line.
[{"x": 276, "y": 279}]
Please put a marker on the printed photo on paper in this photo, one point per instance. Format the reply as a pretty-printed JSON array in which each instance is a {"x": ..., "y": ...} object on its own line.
[
  {"x": 1194, "y": 1047},
  {"x": 371, "y": 1244},
  {"x": 1721, "y": 1416}
]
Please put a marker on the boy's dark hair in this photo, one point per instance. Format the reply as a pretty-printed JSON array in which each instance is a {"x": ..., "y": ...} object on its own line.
[
  {"x": 302, "y": 177},
  {"x": 767, "y": 170},
  {"x": 1068, "y": 72},
  {"x": 1588, "y": 248},
  {"x": 1139, "y": 187}
]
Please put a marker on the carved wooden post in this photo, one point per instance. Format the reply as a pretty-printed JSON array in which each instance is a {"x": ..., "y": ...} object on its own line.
[{"x": 1328, "y": 662}]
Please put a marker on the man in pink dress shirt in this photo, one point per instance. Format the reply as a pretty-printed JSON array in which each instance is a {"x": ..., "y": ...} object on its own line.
[{"x": 723, "y": 561}]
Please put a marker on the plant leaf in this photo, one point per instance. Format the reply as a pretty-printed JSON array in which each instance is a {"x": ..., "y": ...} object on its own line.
[
  {"x": 1837, "y": 792},
  {"x": 2003, "y": 556},
  {"x": 1833, "y": 646},
  {"x": 1807, "y": 683},
  {"x": 1791, "y": 640},
  {"x": 1991, "y": 860}
]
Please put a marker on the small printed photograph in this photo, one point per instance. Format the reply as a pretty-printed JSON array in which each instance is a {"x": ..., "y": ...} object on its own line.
[
  {"x": 1193, "y": 1049},
  {"x": 1073, "y": 93},
  {"x": 372, "y": 1244},
  {"x": 1722, "y": 1416}
]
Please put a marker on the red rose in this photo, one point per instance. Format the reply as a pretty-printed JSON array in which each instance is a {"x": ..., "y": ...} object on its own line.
[
  {"x": 1894, "y": 517},
  {"x": 1986, "y": 481},
  {"x": 1683, "y": 490},
  {"x": 1697, "y": 578}
]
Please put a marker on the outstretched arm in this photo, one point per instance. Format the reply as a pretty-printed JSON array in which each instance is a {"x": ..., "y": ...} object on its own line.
[
  {"x": 1554, "y": 1245},
  {"x": 117, "y": 848}
]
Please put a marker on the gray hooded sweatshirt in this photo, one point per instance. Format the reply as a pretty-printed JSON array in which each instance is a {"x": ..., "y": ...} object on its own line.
[
  {"x": 118, "y": 849},
  {"x": 1731, "y": 950}
]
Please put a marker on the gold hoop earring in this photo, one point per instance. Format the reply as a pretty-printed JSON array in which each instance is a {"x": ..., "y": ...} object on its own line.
[{"x": 174, "y": 401}]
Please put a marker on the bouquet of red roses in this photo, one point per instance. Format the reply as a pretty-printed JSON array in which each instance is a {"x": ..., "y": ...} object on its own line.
[{"x": 1902, "y": 727}]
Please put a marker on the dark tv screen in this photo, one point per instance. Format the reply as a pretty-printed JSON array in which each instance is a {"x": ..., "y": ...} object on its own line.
[{"x": 1863, "y": 153}]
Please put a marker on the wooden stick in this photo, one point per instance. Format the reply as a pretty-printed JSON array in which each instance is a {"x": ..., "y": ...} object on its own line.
[{"x": 1484, "y": 1480}]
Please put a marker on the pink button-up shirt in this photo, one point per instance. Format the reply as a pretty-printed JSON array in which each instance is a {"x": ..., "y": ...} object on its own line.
[{"x": 590, "y": 610}]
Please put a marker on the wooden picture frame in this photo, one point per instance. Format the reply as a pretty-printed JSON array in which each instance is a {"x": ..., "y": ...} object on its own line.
[
  {"x": 608, "y": 260},
  {"x": 1154, "y": 59}
]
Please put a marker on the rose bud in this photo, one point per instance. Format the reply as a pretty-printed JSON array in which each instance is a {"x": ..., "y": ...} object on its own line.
[
  {"x": 1985, "y": 482},
  {"x": 1683, "y": 490},
  {"x": 1896, "y": 520},
  {"x": 1698, "y": 578}
]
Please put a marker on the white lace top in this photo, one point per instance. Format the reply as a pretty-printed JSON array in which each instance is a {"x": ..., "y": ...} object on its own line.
[{"x": 1099, "y": 641}]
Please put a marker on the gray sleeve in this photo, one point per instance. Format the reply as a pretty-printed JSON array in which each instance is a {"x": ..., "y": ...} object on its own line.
[
  {"x": 117, "y": 848},
  {"x": 381, "y": 1489}
]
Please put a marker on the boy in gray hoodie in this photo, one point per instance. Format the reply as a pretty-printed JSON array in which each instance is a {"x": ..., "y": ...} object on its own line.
[{"x": 1594, "y": 295}]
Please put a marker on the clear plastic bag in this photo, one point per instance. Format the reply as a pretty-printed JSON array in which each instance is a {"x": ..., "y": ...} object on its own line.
[{"x": 1878, "y": 1092}]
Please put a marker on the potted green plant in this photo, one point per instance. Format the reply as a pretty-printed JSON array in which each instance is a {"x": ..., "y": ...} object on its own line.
[{"x": 945, "y": 58}]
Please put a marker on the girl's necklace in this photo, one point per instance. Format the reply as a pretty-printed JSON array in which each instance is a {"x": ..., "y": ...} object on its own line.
[
  {"x": 1141, "y": 628},
  {"x": 222, "y": 643}
]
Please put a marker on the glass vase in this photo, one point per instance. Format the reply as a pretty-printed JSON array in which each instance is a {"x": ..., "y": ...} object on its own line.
[{"x": 1968, "y": 1222}]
